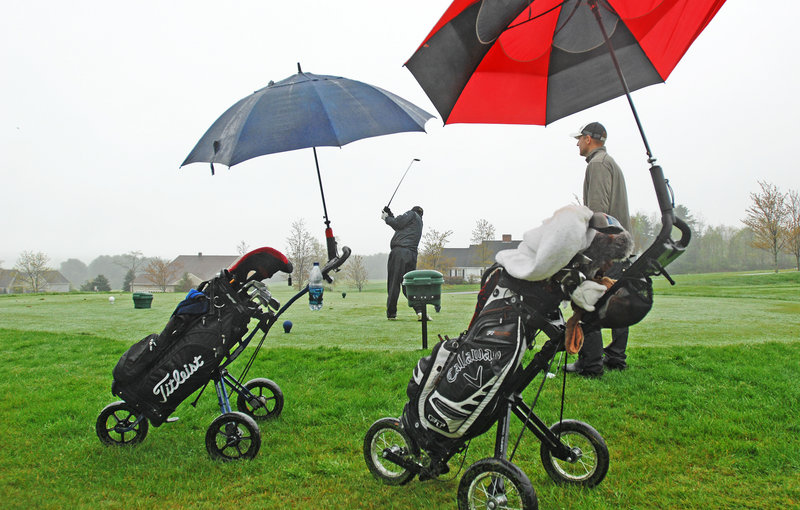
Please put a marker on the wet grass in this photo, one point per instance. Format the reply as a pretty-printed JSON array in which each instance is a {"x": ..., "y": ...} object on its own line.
[{"x": 706, "y": 416}]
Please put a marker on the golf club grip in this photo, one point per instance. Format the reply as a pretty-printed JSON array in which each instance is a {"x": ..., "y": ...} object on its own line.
[{"x": 334, "y": 263}]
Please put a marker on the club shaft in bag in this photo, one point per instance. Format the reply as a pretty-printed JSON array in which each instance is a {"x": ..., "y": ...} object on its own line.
[{"x": 401, "y": 181}]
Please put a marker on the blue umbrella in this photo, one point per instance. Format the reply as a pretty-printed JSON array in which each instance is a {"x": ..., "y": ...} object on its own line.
[{"x": 305, "y": 110}]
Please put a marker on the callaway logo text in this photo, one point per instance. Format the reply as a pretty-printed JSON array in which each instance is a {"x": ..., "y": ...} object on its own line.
[{"x": 465, "y": 359}]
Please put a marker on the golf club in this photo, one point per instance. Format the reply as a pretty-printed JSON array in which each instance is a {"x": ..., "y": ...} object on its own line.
[{"x": 401, "y": 182}]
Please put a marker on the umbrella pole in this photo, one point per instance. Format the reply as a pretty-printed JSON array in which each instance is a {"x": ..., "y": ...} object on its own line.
[
  {"x": 329, "y": 239},
  {"x": 596, "y": 11},
  {"x": 664, "y": 196},
  {"x": 321, "y": 191}
]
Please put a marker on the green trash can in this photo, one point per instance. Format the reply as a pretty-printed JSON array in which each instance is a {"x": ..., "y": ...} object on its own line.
[
  {"x": 423, "y": 287},
  {"x": 142, "y": 299}
]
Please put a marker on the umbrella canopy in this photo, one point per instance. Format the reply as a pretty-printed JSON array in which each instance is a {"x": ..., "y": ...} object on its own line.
[
  {"x": 305, "y": 110},
  {"x": 534, "y": 62}
]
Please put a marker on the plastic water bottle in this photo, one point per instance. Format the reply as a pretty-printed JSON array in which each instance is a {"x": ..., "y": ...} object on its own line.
[{"x": 315, "y": 288}]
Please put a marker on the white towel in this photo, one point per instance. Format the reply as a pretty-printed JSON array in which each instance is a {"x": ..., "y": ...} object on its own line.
[{"x": 549, "y": 247}]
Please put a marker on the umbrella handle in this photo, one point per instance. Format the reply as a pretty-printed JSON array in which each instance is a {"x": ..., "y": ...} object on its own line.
[
  {"x": 333, "y": 251},
  {"x": 334, "y": 263}
]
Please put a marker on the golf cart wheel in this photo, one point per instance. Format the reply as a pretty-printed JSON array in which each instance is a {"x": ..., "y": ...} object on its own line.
[
  {"x": 591, "y": 455},
  {"x": 387, "y": 434},
  {"x": 117, "y": 425},
  {"x": 496, "y": 484},
  {"x": 233, "y": 436},
  {"x": 267, "y": 401}
]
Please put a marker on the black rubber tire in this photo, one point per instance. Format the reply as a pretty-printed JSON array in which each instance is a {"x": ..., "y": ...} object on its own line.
[
  {"x": 233, "y": 436},
  {"x": 591, "y": 466},
  {"x": 388, "y": 433},
  {"x": 270, "y": 399},
  {"x": 478, "y": 487},
  {"x": 112, "y": 421}
]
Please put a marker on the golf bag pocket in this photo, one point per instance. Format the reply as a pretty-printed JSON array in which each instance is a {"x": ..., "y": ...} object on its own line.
[
  {"x": 628, "y": 302},
  {"x": 455, "y": 390},
  {"x": 138, "y": 358}
]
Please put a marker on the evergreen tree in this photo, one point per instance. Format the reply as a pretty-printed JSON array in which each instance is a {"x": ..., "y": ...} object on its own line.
[
  {"x": 184, "y": 284},
  {"x": 127, "y": 283},
  {"x": 100, "y": 284}
]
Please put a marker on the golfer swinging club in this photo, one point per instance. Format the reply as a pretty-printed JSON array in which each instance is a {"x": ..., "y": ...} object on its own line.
[{"x": 403, "y": 254}]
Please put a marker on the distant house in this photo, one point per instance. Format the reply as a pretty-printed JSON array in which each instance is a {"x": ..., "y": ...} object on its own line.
[
  {"x": 56, "y": 282},
  {"x": 467, "y": 261},
  {"x": 11, "y": 283},
  {"x": 199, "y": 268},
  {"x": 7, "y": 278}
]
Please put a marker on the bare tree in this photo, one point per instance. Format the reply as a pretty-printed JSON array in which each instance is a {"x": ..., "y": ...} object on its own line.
[
  {"x": 31, "y": 268},
  {"x": 483, "y": 231},
  {"x": 161, "y": 272},
  {"x": 356, "y": 271},
  {"x": 303, "y": 250},
  {"x": 766, "y": 217},
  {"x": 133, "y": 262},
  {"x": 242, "y": 248},
  {"x": 431, "y": 256},
  {"x": 792, "y": 245}
]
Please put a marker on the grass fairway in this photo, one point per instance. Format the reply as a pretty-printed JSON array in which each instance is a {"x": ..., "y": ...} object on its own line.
[{"x": 706, "y": 416}]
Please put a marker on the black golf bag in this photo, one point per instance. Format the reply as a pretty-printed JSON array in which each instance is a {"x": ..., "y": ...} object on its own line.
[
  {"x": 455, "y": 392},
  {"x": 162, "y": 370}
]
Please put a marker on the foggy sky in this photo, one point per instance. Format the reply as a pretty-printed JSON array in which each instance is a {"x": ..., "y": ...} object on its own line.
[{"x": 102, "y": 101}]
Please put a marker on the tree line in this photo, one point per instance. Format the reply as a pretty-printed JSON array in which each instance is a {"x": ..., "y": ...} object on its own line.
[
  {"x": 103, "y": 274},
  {"x": 713, "y": 248},
  {"x": 768, "y": 238}
]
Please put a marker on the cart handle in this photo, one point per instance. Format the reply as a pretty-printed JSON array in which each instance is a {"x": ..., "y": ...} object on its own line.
[{"x": 334, "y": 264}]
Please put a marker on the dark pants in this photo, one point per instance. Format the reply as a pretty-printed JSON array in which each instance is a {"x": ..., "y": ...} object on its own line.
[
  {"x": 401, "y": 261},
  {"x": 591, "y": 356}
]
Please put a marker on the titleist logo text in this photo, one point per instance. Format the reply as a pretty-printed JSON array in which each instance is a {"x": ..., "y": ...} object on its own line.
[{"x": 172, "y": 381}]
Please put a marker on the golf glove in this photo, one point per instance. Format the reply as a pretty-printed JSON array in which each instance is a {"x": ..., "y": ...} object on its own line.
[
  {"x": 384, "y": 215},
  {"x": 587, "y": 294}
]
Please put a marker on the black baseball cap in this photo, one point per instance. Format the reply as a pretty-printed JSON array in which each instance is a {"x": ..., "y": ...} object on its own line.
[
  {"x": 417, "y": 209},
  {"x": 593, "y": 129}
]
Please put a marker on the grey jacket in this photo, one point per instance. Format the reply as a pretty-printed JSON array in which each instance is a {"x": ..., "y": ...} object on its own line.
[
  {"x": 604, "y": 187},
  {"x": 408, "y": 230}
]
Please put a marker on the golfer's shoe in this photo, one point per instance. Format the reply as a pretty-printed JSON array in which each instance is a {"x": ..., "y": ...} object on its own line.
[
  {"x": 419, "y": 317},
  {"x": 575, "y": 368}
]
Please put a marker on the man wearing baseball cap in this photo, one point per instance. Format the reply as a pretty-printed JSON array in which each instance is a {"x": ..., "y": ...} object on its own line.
[{"x": 603, "y": 191}]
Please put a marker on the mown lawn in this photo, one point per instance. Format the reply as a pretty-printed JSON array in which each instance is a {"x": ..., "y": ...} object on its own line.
[{"x": 706, "y": 416}]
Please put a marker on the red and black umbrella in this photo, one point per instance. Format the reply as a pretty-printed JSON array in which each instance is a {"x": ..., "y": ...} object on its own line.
[{"x": 536, "y": 61}]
